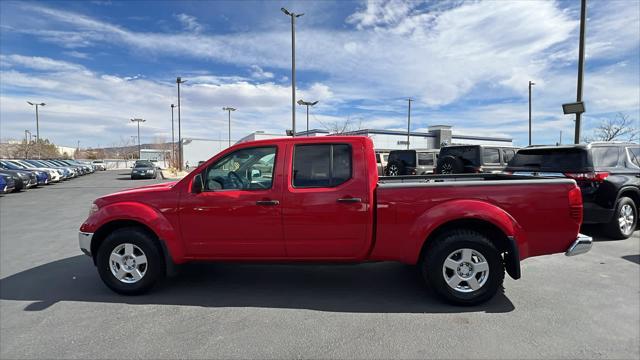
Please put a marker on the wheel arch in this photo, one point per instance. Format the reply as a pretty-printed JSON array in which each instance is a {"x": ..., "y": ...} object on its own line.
[
  {"x": 103, "y": 231},
  {"x": 630, "y": 192},
  {"x": 506, "y": 244}
]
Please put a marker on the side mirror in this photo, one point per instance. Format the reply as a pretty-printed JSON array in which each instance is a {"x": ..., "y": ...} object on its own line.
[
  {"x": 197, "y": 185},
  {"x": 255, "y": 173}
]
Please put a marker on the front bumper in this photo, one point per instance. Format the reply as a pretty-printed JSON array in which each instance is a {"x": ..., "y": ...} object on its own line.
[
  {"x": 84, "y": 240},
  {"x": 580, "y": 246}
]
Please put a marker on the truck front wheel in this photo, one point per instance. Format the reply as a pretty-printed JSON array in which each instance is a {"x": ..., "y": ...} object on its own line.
[
  {"x": 129, "y": 262},
  {"x": 463, "y": 267}
]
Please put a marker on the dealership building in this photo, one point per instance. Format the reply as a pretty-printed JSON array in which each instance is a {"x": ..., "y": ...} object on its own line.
[{"x": 195, "y": 150}]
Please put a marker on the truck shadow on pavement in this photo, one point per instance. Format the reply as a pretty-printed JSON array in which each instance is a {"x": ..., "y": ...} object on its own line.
[{"x": 383, "y": 287}]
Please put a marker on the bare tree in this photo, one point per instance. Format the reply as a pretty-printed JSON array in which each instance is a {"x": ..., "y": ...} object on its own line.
[
  {"x": 621, "y": 128},
  {"x": 341, "y": 126}
]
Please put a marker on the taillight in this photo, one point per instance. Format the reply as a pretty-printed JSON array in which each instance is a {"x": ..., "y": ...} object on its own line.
[
  {"x": 508, "y": 172},
  {"x": 575, "y": 204},
  {"x": 599, "y": 176}
]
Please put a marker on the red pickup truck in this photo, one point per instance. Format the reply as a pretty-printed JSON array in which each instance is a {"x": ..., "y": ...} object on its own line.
[{"x": 320, "y": 199}]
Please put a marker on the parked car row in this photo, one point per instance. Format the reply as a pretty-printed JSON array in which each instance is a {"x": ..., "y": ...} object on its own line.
[
  {"x": 21, "y": 174},
  {"x": 608, "y": 173}
]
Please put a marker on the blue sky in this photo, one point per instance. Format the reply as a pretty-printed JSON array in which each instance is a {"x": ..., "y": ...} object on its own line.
[{"x": 466, "y": 63}]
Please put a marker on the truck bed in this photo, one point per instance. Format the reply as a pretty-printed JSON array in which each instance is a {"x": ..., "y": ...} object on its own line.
[{"x": 408, "y": 207}]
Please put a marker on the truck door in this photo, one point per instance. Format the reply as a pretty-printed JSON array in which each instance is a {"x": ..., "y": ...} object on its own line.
[
  {"x": 238, "y": 213},
  {"x": 326, "y": 211}
]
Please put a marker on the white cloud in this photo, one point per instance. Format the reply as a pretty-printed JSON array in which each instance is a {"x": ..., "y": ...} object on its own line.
[
  {"x": 96, "y": 107},
  {"x": 258, "y": 73},
  {"x": 190, "y": 23}
]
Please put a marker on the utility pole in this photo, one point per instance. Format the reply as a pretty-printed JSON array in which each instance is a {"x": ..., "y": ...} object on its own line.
[
  {"x": 229, "y": 109},
  {"x": 293, "y": 67},
  {"x": 179, "y": 81},
  {"x": 27, "y": 143},
  {"x": 583, "y": 20},
  {"x": 531, "y": 83},
  {"x": 173, "y": 141},
  {"x": 560, "y": 137},
  {"x": 307, "y": 104},
  {"x": 138, "y": 120},
  {"x": 409, "y": 123},
  {"x": 37, "y": 125}
]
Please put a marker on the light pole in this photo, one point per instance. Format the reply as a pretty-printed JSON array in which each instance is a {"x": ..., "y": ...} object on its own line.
[
  {"x": 179, "y": 81},
  {"x": 229, "y": 109},
  {"x": 583, "y": 19},
  {"x": 173, "y": 141},
  {"x": 37, "y": 125},
  {"x": 531, "y": 83},
  {"x": 293, "y": 67},
  {"x": 138, "y": 120},
  {"x": 307, "y": 104},
  {"x": 409, "y": 122}
]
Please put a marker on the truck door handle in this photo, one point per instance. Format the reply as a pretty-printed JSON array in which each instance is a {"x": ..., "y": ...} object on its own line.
[
  {"x": 349, "y": 200},
  {"x": 268, "y": 202}
]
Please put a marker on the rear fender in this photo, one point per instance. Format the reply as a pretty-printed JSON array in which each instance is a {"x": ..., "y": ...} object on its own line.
[
  {"x": 143, "y": 214},
  {"x": 454, "y": 210}
]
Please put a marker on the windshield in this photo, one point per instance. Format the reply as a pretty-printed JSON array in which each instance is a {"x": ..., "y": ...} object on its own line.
[
  {"x": 470, "y": 155},
  {"x": 551, "y": 160},
  {"x": 143, "y": 165},
  {"x": 406, "y": 157}
]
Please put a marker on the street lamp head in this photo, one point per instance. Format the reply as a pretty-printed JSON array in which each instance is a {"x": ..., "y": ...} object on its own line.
[
  {"x": 301, "y": 102},
  {"x": 228, "y": 109},
  {"x": 298, "y": 15},
  {"x": 42, "y": 104},
  {"x": 173, "y": 106},
  {"x": 286, "y": 11},
  {"x": 180, "y": 81},
  {"x": 531, "y": 82},
  {"x": 30, "y": 103},
  {"x": 137, "y": 120}
]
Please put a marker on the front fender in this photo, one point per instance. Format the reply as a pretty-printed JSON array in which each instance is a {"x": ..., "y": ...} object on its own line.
[
  {"x": 143, "y": 214},
  {"x": 454, "y": 210}
]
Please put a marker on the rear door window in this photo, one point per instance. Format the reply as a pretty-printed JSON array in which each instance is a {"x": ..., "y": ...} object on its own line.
[
  {"x": 324, "y": 165},
  {"x": 425, "y": 159},
  {"x": 605, "y": 156},
  {"x": 491, "y": 156},
  {"x": 634, "y": 155},
  {"x": 508, "y": 154}
]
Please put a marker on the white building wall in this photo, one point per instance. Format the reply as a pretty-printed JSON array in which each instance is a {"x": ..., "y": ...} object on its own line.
[
  {"x": 393, "y": 141},
  {"x": 456, "y": 141},
  {"x": 195, "y": 150}
]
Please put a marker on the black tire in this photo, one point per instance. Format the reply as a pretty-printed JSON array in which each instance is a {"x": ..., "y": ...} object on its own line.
[
  {"x": 450, "y": 165},
  {"x": 612, "y": 229},
  {"x": 154, "y": 270},
  {"x": 395, "y": 168},
  {"x": 432, "y": 266}
]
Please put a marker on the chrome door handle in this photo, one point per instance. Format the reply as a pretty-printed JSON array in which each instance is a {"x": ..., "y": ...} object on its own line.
[
  {"x": 267, "y": 202},
  {"x": 349, "y": 200}
]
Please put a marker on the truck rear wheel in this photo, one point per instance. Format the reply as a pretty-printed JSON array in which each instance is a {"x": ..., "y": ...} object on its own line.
[
  {"x": 463, "y": 267},
  {"x": 129, "y": 262}
]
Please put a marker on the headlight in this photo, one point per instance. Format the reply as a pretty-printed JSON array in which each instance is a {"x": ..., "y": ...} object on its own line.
[{"x": 94, "y": 209}]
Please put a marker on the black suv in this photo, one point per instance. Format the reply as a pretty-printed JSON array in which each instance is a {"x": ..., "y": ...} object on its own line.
[
  {"x": 468, "y": 159},
  {"x": 608, "y": 174},
  {"x": 410, "y": 162}
]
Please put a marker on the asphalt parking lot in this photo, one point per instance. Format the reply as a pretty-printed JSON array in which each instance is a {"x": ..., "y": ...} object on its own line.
[{"x": 53, "y": 304}]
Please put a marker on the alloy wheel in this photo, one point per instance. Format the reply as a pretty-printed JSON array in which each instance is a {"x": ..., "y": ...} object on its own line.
[
  {"x": 128, "y": 263},
  {"x": 465, "y": 270}
]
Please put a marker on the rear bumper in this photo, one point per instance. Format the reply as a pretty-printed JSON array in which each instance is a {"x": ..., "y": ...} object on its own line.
[
  {"x": 596, "y": 214},
  {"x": 580, "y": 246},
  {"x": 84, "y": 240}
]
